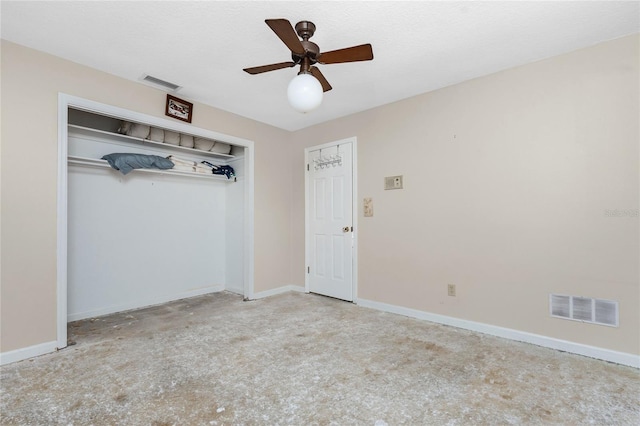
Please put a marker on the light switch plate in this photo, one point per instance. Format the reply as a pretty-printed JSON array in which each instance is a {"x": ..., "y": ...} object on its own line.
[
  {"x": 451, "y": 289},
  {"x": 368, "y": 207}
]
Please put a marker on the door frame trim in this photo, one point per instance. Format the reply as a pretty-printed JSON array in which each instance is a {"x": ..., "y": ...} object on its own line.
[{"x": 354, "y": 211}]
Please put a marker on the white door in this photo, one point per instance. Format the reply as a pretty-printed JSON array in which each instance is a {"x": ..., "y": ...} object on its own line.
[{"x": 330, "y": 219}]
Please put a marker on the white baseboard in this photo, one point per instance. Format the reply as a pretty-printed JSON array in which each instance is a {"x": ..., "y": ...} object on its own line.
[
  {"x": 278, "y": 290},
  {"x": 142, "y": 303},
  {"x": 235, "y": 290},
  {"x": 28, "y": 352},
  {"x": 507, "y": 333}
]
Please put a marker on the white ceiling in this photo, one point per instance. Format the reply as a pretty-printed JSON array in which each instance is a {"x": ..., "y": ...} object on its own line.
[{"x": 418, "y": 46}]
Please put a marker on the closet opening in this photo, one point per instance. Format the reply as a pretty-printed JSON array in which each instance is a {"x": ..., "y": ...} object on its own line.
[{"x": 126, "y": 241}]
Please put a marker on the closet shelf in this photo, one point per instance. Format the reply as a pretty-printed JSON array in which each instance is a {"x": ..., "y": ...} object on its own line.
[
  {"x": 93, "y": 162},
  {"x": 150, "y": 142}
]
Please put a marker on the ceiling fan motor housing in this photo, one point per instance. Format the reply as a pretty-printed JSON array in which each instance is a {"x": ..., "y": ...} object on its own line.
[
  {"x": 311, "y": 51},
  {"x": 305, "y": 30}
]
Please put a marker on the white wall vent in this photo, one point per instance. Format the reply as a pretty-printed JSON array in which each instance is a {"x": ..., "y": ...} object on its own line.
[
  {"x": 158, "y": 82},
  {"x": 585, "y": 309}
]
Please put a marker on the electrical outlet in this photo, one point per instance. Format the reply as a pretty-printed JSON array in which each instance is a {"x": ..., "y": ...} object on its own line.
[
  {"x": 451, "y": 289},
  {"x": 397, "y": 182}
]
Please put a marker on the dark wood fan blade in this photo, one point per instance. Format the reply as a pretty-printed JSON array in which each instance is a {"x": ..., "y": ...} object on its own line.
[
  {"x": 323, "y": 81},
  {"x": 272, "y": 67},
  {"x": 287, "y": 34},
  {"x": 364, "y": 52}
]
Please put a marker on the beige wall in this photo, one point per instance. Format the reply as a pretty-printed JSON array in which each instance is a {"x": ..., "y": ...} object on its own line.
[
  {"x": 507, "y": 179},
  {"x": 30, "y": 84}
]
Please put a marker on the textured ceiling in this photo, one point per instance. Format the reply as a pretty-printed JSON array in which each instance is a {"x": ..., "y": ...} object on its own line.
[{"x": 418, "y": 46}]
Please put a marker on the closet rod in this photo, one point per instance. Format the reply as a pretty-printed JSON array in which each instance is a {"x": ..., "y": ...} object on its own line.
[{"x": 92, "y": 162}]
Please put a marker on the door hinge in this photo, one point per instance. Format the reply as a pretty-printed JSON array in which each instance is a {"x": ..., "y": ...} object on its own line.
[
  {"x": 307, "y": 167},
  {"x": 308, "y": 269}
]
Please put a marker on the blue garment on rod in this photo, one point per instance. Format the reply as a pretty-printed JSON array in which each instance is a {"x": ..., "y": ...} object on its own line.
[{"x": 125, "y": 163}]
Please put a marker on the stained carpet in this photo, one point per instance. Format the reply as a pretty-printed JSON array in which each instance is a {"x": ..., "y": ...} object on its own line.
[{"x": 298, "y": 359}]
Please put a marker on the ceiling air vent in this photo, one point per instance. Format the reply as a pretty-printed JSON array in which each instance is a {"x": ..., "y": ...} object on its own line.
[
  {"x": 159, "y": 82},
  {"x": 584, "y": 309}
]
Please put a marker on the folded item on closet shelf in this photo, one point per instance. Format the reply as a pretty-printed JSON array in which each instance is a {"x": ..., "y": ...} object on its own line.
[
  {"x": 182, "y": 161},
  {"x": 138, "y": 130},
  {"x": 183, "y": 168},
  {"x": 191, "y": 169},
  {"x": 203, "y": 144},
  {"x": 125, "y": 162},
  {"x": 195, "y": 166},
  {"x": 221, "y": 148},
  {"x": 172, "y": 138},
  {"x": 186, "y": 141},
  {"x": 156, "y": 135},
  {"x": 124, "y": 127}
]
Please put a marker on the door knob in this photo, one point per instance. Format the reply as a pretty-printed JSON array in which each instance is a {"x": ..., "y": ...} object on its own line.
[{"x": 345, "y": 229}]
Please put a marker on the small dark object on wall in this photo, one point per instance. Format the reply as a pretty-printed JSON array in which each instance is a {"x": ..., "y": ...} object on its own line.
[{"x": 178, "y": 108}]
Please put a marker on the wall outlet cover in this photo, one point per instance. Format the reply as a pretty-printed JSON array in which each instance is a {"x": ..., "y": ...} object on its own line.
[{"x": 393, "y": 182}]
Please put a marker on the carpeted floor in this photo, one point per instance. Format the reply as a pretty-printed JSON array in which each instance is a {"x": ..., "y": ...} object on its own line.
[{"x": 299, "y": 359}]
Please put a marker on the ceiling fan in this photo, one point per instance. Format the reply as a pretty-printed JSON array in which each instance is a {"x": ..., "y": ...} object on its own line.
[{"x": 305, "y": 92}]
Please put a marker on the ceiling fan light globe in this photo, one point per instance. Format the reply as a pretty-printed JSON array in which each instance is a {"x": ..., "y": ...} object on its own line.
[{"x": 304, "y": 93}]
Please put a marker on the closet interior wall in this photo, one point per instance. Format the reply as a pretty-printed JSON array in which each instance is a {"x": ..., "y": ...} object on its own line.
[{"x": 147, "y": 237}]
